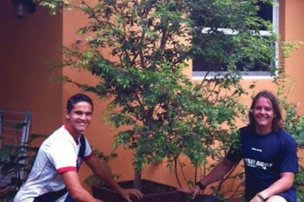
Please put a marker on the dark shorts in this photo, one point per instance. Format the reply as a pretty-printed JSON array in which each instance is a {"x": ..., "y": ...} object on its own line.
[{"x": 287, "y": 197}]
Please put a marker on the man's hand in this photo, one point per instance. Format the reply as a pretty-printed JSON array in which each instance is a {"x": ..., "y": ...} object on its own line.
[
  {"x": 127, "y": 193},
  {"x": 192, "y": 192},
  {"x": 98, "y": 166}
]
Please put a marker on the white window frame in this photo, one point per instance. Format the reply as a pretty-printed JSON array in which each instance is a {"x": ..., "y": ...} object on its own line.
[{"x": 257, "y": 75}]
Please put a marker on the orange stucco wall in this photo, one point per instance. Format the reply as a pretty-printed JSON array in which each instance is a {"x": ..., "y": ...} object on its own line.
[
  {"x": 294, "y": 31},
  {"x": 28, "y": 45}
]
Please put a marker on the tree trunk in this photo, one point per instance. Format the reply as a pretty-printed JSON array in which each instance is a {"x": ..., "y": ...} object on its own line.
[{"x": 137, "y": 179}]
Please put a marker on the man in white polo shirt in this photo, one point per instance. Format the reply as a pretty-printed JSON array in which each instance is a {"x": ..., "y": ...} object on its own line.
[{"x": 54, "y": 174}]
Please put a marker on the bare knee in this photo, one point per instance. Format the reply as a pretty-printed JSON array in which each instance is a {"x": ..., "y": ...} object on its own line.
[{"x": 276, "y": 198}]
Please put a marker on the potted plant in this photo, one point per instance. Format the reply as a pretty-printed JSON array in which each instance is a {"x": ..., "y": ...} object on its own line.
[
  {"x": 16, "y": 158},
  {"x": 150, "y": 43},
  {"x": 15, "y": 164}
]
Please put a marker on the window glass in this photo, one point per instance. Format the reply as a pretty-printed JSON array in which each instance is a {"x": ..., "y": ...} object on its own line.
[{"x": 212, "y": 62}]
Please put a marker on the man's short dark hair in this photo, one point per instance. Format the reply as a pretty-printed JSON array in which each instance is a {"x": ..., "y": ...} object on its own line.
[{"x": 78, "y": 98}]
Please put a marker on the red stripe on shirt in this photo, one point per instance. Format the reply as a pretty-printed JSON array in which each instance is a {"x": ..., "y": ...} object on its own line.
[
  {"x": 66, "y": 169},
  {"x": 70, "y": 132}
]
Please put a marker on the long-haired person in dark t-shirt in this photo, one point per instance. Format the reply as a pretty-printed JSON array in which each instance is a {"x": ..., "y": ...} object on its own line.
[{"x": 269, "y": 154}]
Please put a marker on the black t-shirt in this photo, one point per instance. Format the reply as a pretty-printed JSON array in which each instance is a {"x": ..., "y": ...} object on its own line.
[{"x": 265, "y": 158}]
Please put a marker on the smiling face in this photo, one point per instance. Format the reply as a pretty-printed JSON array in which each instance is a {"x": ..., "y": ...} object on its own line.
[
  {"x": 79, "y": 118},
  {"x": 263, "y": 115}
]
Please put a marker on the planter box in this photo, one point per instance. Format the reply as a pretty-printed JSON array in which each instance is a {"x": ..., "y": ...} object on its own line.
[{"x": 153, "y": 192}]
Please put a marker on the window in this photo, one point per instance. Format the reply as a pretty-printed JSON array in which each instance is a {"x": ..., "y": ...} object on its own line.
[{"x": 207, "y": 66}]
